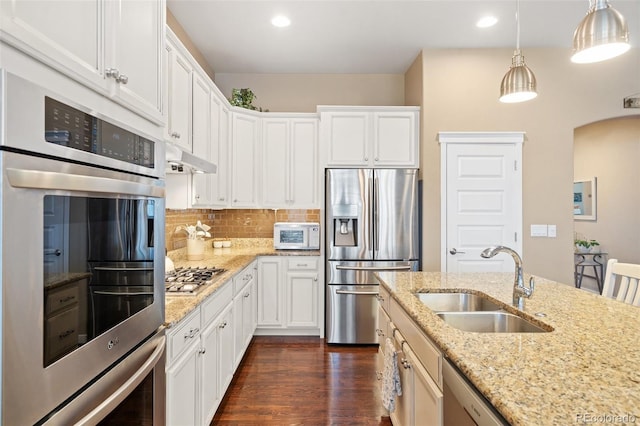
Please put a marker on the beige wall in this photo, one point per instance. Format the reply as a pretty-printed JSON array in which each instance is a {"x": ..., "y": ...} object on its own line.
[
  {"x": 186, "y": 40},
  {"x": 461, "y": 94},
  {"x": 610, "y": 151},
  {"x": 304, "y": 92}
]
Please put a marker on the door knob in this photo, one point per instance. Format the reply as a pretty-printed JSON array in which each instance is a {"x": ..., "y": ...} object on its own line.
[{"x": 454, "y": 251}]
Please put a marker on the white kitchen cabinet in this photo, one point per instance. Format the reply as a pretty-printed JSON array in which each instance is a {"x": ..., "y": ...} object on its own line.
[
  {"x": 270, "y": 288},
  {"x": 113, "y": 47},
  {"x": 201, "y": 122},
  {"x": 245, "y": 159},
  {"x": 244, "y": 310},
  {"x": 179, "y": 95},
  {"x": 370, "y": 136},
  {"x": 289, "y": 295},
  {"x": 200, "y": 360},
  {"x": 220, "y": 118},
  {"x": 302, "y": 292},
  {"x": 290, "y": 162}
]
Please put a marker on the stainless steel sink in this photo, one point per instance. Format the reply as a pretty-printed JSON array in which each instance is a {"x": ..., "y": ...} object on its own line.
[
  {"x": 489, "y": 322},
  {"x": 457, "y": 302}
]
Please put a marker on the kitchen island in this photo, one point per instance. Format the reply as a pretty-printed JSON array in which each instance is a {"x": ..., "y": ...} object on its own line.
[{"x": 584, "y": 371}]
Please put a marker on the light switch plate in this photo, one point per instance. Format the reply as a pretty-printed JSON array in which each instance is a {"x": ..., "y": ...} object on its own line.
[
  {"x": 538, "y": 230},
  {"x": 551, "y": 231}
]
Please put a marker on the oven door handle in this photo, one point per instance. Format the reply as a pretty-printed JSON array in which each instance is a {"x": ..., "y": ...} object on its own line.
[
  {"x": 37, "y": 179},
  {"x": 109, "y": 404}
]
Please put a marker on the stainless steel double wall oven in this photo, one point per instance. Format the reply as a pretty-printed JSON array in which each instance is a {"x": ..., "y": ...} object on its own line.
[{"x": 82, "y": 227}]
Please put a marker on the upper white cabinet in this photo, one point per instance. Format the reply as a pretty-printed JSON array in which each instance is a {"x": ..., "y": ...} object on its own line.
[
  {"x": 179, "y": 95},
  {"x": 370, "y": 136},
  {"x": 245, "y": 158},
  {"x": 220, "y": 120},
  {"x": 113, "y": 47},
  {"x": 201, "y": 135},
  {"x": 290, "y": 162}
]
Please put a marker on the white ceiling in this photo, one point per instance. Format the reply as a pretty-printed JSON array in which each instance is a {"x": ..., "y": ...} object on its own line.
[{"x": 370, "y": 36}]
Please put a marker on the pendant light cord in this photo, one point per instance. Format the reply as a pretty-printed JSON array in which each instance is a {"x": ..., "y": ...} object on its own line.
[{"x": 518, "y": 26}]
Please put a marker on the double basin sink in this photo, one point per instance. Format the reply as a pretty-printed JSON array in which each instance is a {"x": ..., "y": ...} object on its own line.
[{"x": 475, "y": 313}]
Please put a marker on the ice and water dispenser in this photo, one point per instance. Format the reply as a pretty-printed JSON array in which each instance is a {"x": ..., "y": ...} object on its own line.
[{"x": 345, "y": 225}]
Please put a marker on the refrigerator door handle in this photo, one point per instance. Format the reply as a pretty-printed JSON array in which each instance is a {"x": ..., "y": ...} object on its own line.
[
  {"x": 364, "y": 293},
  {"x": 374, "y": 268},
  {"x": 376, "y": 205},
  {"x": 372, "y": 217}
]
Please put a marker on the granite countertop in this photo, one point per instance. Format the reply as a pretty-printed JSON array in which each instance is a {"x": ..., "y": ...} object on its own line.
[
  {"x": 234, "y": 259},
  {"x": 588, "y": 366}
]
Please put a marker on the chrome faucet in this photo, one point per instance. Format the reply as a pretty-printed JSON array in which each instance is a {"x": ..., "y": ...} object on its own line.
[{"x": 519, "y": 290}]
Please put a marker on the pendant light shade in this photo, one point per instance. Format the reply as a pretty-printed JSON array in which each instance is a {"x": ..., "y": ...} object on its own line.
[
  {"x": 603, "y": 34},
  {"x": 519, "y": 83}
]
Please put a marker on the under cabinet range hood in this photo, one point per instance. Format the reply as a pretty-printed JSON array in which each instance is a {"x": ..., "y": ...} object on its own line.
[{"x": 181, "y": 161}]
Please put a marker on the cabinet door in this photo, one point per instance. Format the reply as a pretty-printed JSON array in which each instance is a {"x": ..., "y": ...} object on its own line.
[
  {"x": 238, "y": 328},
  {"x": 134, "y": 32},
  {"x": 303, "y": 179},
  {"x": 346, "y": 136},
  {"x": 270, "y": 292},
  {"x": 249, "y": 313},
  {"x": 225, "y": 348},
  {"x": 219, "y": 151},
  {"x": 179, "y": 98},
  {"x": 427, "y": 397},
  {"x": 182, "y": 388},
  {"x": 64, "y": 35},
  {"x": 302, "y": 299},
  {"x": 276, "y": 164},
  {"x": 395, "y": 139},
  {"x": 245, "y": 160},
  {"x": 382, "y": 330},
  {"x": 201, "y": 137},
  {"x": 209, "y": 373}
]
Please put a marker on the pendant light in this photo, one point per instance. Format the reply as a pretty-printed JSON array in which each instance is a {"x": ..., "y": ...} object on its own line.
[
  {"x": 519, "y": 83},
  {"x": 603, "y": 34}
]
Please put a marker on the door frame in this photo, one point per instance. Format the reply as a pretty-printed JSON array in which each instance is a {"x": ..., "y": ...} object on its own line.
[{"x": 445, "y": 138}]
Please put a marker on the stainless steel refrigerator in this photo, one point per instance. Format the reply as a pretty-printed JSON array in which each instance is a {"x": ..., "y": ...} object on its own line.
[{"x": 371, "y": 224}]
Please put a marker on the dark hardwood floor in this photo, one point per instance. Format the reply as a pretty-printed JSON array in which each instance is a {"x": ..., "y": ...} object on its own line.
[{"x": 303, "y": 381}]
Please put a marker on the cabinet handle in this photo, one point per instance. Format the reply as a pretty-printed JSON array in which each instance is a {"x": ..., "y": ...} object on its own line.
[
  {"x": 221, "y": 199},
  {"x": 112, "y": 73},
  {"x": 197, "y": 196},
  {"x": 366, "y": 158},
  {"x": 192, "y": 333},
  {"x": 202, "y": 351},
  {"x": 66, "y": 334},
  {"x": 223, "y": 325},
  {"x": 380, "y": 298},
  {"x": 122, "y": 79},
  {"x": 406, "y": 364},
  {"x": 376, "y": 159},
  {"x": 175, "y": 135},
  {"x": 66, "y": 299},
  {"x": 246, "y": 295}
]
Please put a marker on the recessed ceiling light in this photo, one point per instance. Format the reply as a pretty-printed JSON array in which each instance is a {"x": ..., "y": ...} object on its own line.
[
  {"x": 280, "y": 21},
  {"x": 486, "y": 22}
]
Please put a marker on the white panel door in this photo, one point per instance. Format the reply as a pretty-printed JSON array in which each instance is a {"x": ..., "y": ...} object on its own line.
[{"x": 483, "y": 204}]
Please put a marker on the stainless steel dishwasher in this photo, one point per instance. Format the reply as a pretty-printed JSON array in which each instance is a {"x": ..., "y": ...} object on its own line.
[{"x": 463, "y": 404}]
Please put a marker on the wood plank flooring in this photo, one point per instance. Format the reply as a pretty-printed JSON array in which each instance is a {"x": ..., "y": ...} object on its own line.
[{"x": 303, "y": 381}]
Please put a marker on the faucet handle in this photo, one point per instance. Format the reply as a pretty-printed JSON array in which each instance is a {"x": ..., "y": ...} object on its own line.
[{"x": 529, "y": 291}]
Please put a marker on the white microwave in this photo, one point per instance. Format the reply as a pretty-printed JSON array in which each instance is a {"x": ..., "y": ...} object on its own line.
[{"x": 296, "y": 236}]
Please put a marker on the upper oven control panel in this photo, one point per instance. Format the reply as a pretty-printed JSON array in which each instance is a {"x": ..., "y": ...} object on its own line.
[{"x": 70, "y": 127}]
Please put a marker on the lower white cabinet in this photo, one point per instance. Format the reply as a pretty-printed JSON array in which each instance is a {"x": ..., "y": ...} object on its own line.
[
  {"x": 244, "y": 310},
  {"x": 289, "y": 299},
  {"x": 419, "y": 364},
  {"x": 200, "y": 360}
]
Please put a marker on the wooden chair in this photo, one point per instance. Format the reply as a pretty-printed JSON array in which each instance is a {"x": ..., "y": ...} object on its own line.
[{"x": 629, "y": 290}]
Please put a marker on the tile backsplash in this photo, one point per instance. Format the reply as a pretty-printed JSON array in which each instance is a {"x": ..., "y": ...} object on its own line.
[{"x": 232, "y": 223}]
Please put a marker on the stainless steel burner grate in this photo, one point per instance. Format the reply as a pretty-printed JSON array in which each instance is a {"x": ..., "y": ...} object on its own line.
[{"x": 189, "y": 280}]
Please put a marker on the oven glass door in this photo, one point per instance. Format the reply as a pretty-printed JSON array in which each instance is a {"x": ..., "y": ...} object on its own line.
[
  {"x": 82, "y": 280},
  {"x": 98, "y": 267}
]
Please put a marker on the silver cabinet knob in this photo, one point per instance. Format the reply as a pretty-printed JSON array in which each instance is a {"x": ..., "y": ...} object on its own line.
[{"x": 122, "y": 79}]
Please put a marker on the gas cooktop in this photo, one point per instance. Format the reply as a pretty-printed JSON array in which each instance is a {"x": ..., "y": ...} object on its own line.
[{"x": 188, "y": 281}]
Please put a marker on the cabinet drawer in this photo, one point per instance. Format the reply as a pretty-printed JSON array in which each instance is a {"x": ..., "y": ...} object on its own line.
[
  {"x": 244, "y": 277},
  {"x": 303, "y": 263},
  {"x": 186, "y": 332},
  {"x": 219, "y": 300},
  {"x": 426, "y": 352},
  {"x": 61, "y": 298},
  {"x": 384, "y": 297},
  {"x": 61, "y": 332}
]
